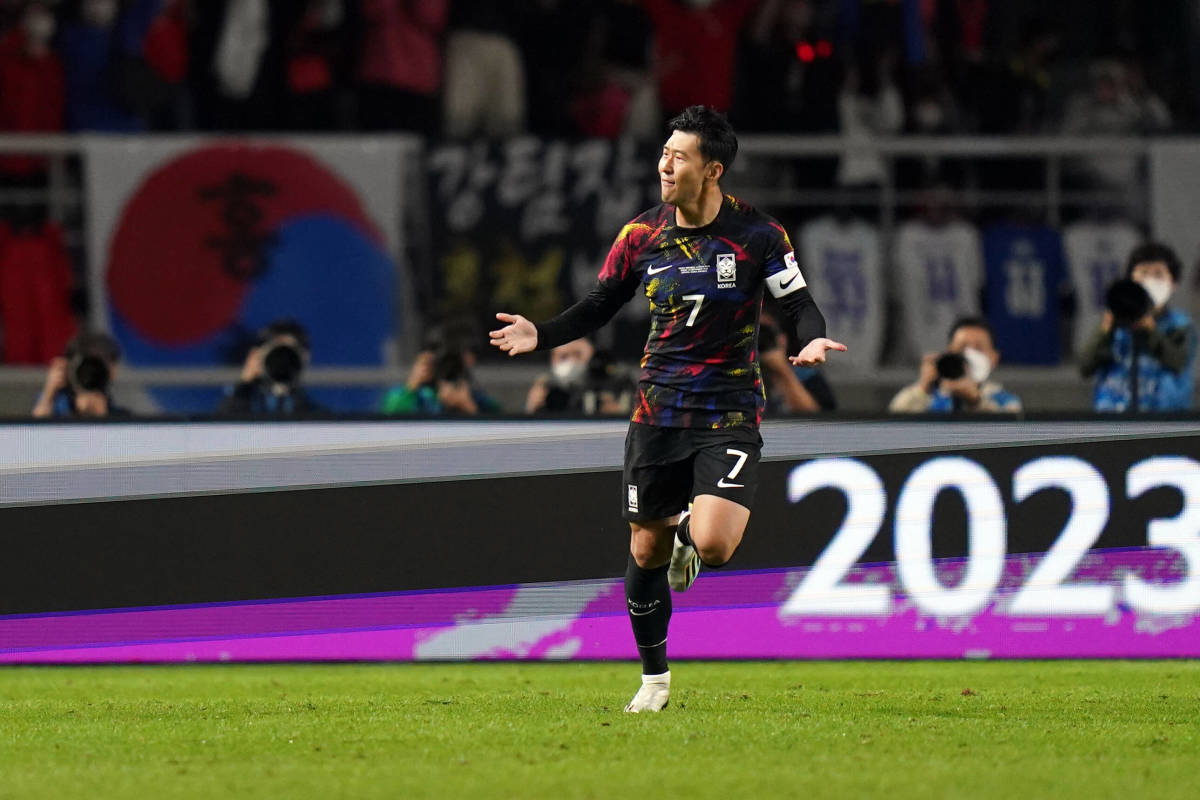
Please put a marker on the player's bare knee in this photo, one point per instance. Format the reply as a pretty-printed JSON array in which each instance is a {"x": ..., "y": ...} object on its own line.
[
  {"x": 717, "y": 553},
  {"x": 649, "y": 547}
]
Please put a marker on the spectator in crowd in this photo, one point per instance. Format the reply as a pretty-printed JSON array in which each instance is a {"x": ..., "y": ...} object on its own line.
[
  {"x": 440, "y": 383},
  {"x": 485, "y": 74},
  {"x": 869, "y": 105},
  {"x": 99, "y": 49},
  {"x": 314, "y": 55},
  {"x": 79, "y": 382},
  {"x": 581, "y": 381},
  {"x": 787, "y": 75},
  {"x": 960, "y": 379},
  {"x": 31, "y": 84},
  {"x": 37, "y": 294},
  {"x": 616, "y": 95},
  {"x": 1162, "y": 337},
  {"x": 400, "y": 68},
  {"x": 1108, "y": 107},
  {"x": 695, "y": 42},
  {"x": 240, "y": 57},
  {"x": 789, "y": 389},
  {"x": 1010, "y": 93},
  {"x": 558, "y": 46},
  {"x": 159, "y": 80},
  {"x": 270, "y": 383}
]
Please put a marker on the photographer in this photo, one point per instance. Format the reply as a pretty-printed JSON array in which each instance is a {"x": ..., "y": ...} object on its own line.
[
  {"x": 958, "y": 379},
  {"x": 1142, "y": 355},
  {"x": 440, "y": 383},
  {"x": 78, "y": 382},
  {"x": 581, "y": 381},
  {"x": 271, "y": 373}
]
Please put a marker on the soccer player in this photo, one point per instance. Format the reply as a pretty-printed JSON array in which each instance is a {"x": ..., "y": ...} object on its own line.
[{"x": 702, "y": 258}]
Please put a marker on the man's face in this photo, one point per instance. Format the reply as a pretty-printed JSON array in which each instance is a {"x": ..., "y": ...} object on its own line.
[
  {"x": 576, "y": 352},
  {"x": 682, "y": 170},
  {"x": 976, "y": 339}
]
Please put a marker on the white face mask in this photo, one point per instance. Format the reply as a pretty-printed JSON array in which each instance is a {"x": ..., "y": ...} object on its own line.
[
  {"x": 568, "y": 372},
  {"x": 1158, "y": 289},
  {"x": 979, "y": 366}
]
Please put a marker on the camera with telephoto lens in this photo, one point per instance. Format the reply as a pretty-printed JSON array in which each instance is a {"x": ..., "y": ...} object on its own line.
[
  {"x": 89, "y": 373},
  {"x": 283, "y": 361},
  {"x": 450, "y": 366},
  {"x": 951, "y": 366},
  {"x": 1128, "y": 302}
]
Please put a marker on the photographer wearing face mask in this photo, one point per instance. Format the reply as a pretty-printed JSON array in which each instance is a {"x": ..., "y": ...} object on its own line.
[
  {"x": 271, "y": 374},
  {"x": 581, "y": 381},
  {"x": 1143, "y": 353},
  {"x": 958, "y": 380},
  {"x": 79, "y": 381}
]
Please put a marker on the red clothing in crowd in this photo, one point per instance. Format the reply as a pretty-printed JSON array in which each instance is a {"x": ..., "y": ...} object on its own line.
[
  {"x": 32, "y": 97},
  {"x": 695, "y": 50},
  {"x": 35, "y": 295},
  {"x": 166, "y": 45},
  {"x": 402, "y": 47}
]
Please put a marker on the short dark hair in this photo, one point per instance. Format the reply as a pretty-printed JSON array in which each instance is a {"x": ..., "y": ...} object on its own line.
[
  {"x": 718, "y": 142},
  {"x": 94, "y": 343},
  {"x": 1150, "y": 252},
  {"x": 972, "y": 322},
  {"x": 286, "y": 326}
]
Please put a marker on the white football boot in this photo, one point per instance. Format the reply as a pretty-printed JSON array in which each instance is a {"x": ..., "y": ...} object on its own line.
[
  {"x": 653, "y": 695},
  {"x": 685, "y": 563}
]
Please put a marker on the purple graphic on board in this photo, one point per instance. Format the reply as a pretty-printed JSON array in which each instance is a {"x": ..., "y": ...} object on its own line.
[{"x": 725, "y": 615}]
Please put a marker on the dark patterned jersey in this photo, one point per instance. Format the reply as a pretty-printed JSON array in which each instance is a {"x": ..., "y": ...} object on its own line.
[{"x": 705, "y": 286}]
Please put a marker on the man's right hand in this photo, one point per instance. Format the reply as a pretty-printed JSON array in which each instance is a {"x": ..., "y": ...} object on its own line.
[
  {"x": 422, "y": 370},
  {"x": 518, "y": 336}
]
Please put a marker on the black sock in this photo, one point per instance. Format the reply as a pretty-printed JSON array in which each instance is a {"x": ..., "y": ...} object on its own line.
[
  {"x": 684, "y": 530},
  {"x": 649, "y": 601}
]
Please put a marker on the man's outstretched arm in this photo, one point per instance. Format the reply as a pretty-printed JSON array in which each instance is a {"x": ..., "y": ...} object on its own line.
[
  {"x": 581, "y": 319},
  {"x": 810, "y": 328}
]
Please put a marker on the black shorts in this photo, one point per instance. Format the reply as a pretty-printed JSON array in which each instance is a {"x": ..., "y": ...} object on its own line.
[{"x": 666, "y": 467}]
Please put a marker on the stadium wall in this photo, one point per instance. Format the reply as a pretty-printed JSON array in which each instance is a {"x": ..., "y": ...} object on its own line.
[{"x": 376, "y": 540}]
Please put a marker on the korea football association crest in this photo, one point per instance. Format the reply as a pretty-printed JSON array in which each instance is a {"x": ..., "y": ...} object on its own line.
[{"x": 726, "y": 270}]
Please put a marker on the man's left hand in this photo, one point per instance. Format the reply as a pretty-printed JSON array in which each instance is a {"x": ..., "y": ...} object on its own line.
[{"x": 814, "y": 352}]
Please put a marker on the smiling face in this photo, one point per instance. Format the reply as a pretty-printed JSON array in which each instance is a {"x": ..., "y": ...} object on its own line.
[{"x": 682, "y": 170}]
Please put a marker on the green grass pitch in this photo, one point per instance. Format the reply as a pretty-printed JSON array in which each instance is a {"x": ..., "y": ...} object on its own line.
[{"x": 788, "y": 729}]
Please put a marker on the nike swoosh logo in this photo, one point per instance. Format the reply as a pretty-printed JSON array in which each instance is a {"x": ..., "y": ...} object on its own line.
[
  {"x": 642, "y": 613},
  {"x": 791, "y": 280},
  {"x": 722, "y": 484},
  {"x": 653, "y": 271}
]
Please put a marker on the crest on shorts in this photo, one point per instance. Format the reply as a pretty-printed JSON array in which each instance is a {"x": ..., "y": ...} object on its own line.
[
  {"x": 726, "y": 268},
  {"x": 633, "y": 497}
]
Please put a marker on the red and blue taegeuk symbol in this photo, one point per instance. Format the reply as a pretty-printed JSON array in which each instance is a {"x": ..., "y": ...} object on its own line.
[{"x": 218, "y": 242}]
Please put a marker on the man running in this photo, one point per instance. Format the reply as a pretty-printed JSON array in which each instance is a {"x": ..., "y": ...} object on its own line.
[{"x": 702, "y": 258}]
